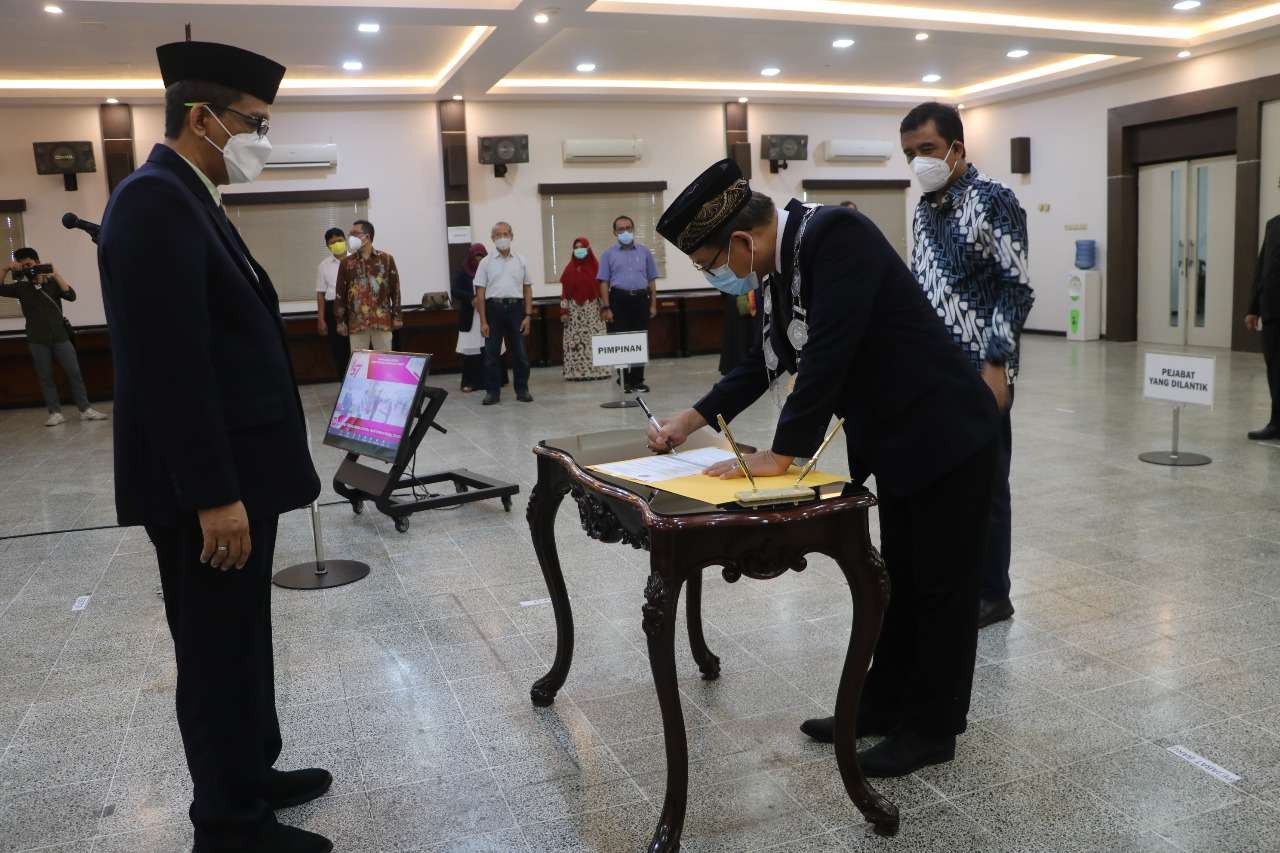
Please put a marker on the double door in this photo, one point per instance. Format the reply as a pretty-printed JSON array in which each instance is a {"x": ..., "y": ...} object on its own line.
[{"x": 1186, "y": 252}]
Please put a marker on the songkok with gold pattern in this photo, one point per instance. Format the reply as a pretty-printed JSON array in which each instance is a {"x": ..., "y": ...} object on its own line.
[{"x": 713, "y": 199}]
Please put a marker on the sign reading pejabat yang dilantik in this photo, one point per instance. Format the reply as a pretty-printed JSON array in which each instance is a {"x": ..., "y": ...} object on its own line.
[{"x": 1184, "y": 379}]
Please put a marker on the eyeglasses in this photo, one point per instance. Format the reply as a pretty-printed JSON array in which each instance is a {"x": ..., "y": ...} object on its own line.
[
  {"x": 712, "y": 263},
  {"x": 260, "y": 125}
]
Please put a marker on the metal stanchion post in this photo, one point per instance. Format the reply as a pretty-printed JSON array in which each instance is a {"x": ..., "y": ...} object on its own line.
[
  {"x": 1173, "y": 457},
  {"x": 322, "y": 574},
  {"x": 623, "y": 402}
]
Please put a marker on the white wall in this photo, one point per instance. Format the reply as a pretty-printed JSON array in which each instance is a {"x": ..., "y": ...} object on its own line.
[
  {"x": 1068, "y": 134},
  {"x": 680, "y": 140},
  {"x": 393, "y": 149},
  {"x": 70, "y": 251}
]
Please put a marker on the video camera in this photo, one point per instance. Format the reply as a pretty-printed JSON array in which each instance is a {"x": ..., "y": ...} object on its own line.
[{"x": 30, "y": 273}]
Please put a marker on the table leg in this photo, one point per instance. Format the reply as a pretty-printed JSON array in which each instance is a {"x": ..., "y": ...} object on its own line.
[
  {"x": 707, "y": 662},
  {"x": 869, "y": 584},
  {"x": 662, "y": 594},
  {"x": 544, "y": 503}
]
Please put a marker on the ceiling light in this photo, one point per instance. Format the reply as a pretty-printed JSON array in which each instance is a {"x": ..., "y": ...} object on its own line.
[
  {"x": 352, "y": 65},
  {"x": 53, "y": 10},
  {"x": 770, "y": 71},
  {"x": 743, "y": 100},
  {"x": 113, "y": 100},
  {"x": 587, "y": 67},
  {"x": 1186, "y": 5},
  {"x": 931, "y": 78},
  {"x": 541, "y": 18},
  {"x": 1184, "y": 54},
  {"x": 842, "y": 43},
  {"x": 369, "y": 27},
  {"x": 1017, "y": 53},
  {"x": 457, "y": 97},
  {"x": 922, "y": 36}
]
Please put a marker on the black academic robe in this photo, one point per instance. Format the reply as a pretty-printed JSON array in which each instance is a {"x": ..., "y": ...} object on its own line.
[
  {"x": 877, "y": 354},
  {"x": 1266, "y": 283},
  {"x": 207, "y": 410}
]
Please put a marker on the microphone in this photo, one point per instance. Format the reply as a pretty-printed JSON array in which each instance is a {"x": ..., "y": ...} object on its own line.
[{"x": 70, "y": 221}]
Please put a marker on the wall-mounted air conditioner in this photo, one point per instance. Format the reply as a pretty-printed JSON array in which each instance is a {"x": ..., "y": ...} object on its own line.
[
  {"x": 319, "y": 156},
  {"x": 602, "y": 150},
  {"x": 858, "y": 150}
]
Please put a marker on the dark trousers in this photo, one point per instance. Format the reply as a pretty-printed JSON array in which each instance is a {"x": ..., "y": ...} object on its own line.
[
  {"x": 339, "y": 346},
  {"x": 1271, "y": 352},
  {"x": 221, "y": 627},
  {"x": 630, "y": 314},
  {"x": 995, "y": 562},
  {"x": 932, "y": 543},
  {"x": 473, "y": 371},
  {"x": 504, "y": 317}
]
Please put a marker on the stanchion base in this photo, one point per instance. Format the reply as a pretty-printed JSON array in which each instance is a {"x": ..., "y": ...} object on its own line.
[
  {"x": 1178, "y": 460},
  {"x": 306, "y": 576},
  {"x": 620, "y": 404}
]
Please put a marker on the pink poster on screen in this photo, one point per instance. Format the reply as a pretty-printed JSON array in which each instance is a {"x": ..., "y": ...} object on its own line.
[{"x": 376, "y": 397}]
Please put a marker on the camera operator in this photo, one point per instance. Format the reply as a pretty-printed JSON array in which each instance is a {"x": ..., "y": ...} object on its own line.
[{"x": 40, "y": 291}]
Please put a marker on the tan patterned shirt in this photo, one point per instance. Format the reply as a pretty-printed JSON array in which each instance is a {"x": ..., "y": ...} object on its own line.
[{"x": 367, "y": 294}]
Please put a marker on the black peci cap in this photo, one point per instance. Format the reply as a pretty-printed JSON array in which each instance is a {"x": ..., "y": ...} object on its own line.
[
  {"x": 229, "y": 66},
  {"x": 715, "y": 197}
]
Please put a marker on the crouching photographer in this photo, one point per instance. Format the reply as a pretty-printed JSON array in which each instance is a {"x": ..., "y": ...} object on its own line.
[{"x": 41, "y": 291}]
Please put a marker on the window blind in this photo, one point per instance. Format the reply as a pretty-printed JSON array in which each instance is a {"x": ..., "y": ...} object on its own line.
[
  {"x": 11, "y": 240},
  {"x": 886, "y": 208},
  {"x": 567, "y": 216},
  {"x": 288, "y": 239}
]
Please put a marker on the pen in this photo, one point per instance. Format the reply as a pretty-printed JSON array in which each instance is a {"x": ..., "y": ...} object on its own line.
[
  {"x": 808, "y": 466},
  {"x": 724, "y": 427},
  {"x": 654, "y": 421}
]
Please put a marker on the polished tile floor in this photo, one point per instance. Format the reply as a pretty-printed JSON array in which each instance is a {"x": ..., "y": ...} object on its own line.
[{"x": 1148, "y": 618}]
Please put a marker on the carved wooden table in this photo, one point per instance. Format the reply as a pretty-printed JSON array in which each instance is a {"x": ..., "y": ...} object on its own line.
[{"x": 683, "y": 537}]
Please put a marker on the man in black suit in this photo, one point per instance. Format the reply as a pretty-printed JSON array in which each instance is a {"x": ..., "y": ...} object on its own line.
[
  {"x": 844, "y": 315},
  {"x": 210, "y": 441},
  {"x": 1264, "y": 312}
]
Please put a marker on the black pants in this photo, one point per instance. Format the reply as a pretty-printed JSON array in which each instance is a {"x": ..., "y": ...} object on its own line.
[
  {"x": 504, "y": 317},
  {"x": 473, "y": 371},
  {"x": 995, "y": 562},
  {"x": 932, "y": 543},
  {"x": 221, "y": 627},
  {"x": 339, "y": 346},
  {"x": 1271, "y": 352},
  {"x": 630, "y": 314}
]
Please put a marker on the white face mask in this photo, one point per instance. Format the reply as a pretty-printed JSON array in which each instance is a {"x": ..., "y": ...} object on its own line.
[
  {"x": 503, "y": 244},
  {"x": 244, "y": 154},
  {"x": 932, "y": 172},
  {"x": 353, "y": 244}
]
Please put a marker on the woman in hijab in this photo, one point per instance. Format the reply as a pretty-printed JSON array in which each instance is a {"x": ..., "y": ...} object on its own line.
[
  {"x": 580, "y": 313},
  {"x": 470, "y": 341}
]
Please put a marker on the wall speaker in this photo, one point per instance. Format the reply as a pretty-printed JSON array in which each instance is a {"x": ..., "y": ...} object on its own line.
[
  {"x": 501, "y": 151},
  {"x": 455, "y": 165},
  {"x": 1020, "y": 155},
  {"x": 64, "y": 158},
  {"x": 780, "y": 148}
]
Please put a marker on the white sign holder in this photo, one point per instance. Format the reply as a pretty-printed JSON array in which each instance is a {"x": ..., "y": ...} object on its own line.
[
  {"x": 620, "y": 351},
  {"x": 1183, "y": 380}
]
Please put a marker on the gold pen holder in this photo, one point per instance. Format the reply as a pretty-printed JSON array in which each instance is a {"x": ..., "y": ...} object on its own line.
[{"x": 781, "y": 495}]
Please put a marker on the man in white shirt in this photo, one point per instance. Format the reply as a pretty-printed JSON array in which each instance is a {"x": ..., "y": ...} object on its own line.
[
  {"x": 504, "y": 296},
  {"x": 326, "y": 290}
]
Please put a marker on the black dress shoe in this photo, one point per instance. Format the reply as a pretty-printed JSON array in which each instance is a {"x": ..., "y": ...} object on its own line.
[
  {"x": 277, "y": 838},
  {"x": 822, "y": 729},
  {"x": 526, "y": 397},
  {"x": 991, "y": 612},
  {"x": 285, "y": 789},
  {"x": 905, "y": 752},
  {"x": 1267, "y": 433},
  {"x": 641, "y": 387},
  {"x": 491, "y": 400}
]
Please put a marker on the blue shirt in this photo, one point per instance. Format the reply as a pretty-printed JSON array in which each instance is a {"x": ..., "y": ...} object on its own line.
[
  {"x": 970, "y": 256},
  {"x": 627, "y": 269}
]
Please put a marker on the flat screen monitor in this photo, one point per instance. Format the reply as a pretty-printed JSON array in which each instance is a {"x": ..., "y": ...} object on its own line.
[{"x": 376, "y": 402}]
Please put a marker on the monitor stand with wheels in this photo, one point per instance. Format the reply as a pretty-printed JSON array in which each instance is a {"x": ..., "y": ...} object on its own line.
[{"x": 358, "y": 482}]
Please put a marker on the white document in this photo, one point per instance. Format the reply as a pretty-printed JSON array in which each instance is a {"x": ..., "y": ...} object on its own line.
[{"x": 655, "y": 469}]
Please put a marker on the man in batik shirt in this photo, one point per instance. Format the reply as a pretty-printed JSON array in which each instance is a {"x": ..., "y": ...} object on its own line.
[{"x": 366, "y": 305}]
